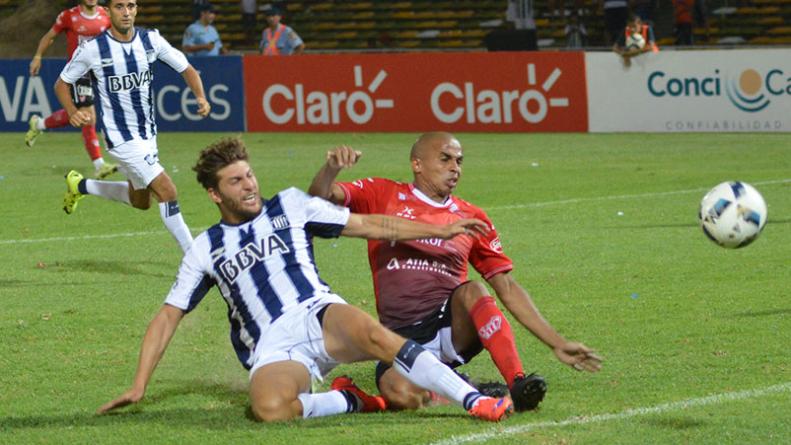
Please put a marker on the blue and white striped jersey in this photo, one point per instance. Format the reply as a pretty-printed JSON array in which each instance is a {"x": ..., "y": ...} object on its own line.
[
  {"x": 263, "y": 268},
  {"x": 123, "y": 73}
]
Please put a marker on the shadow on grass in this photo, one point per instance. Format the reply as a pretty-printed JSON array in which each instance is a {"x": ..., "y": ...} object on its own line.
[
  {"x": 122, "y": 268},
  {"x": 764, "y": 313},
  {"x": 676, "y": 423}
]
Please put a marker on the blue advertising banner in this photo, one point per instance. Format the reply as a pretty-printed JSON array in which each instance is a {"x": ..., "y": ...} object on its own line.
[{"x": 22, "y": 96}]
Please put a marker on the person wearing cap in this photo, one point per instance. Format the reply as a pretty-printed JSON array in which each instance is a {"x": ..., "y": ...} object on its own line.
[
  {"x": 201, "y": 38},
  {"x": 278, "y": 39}
]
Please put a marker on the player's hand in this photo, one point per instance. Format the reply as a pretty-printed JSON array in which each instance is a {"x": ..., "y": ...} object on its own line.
[
  {"x": 343, "y": 157},
  {"x": 578, "y": 356},
  {"x": 467, "y": 226},
  {"x": 130, "y": 397},
  {"x": 35, "y": 66},
  {"x": 80, "y": 118},
  {"x": 203, "y": 107}
]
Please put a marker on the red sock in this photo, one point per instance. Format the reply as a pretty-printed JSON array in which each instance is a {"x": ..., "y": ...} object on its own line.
[
  {"x": 91, "y": 142},
  {"x": 496, "y": 336},
  {"x": 57, "y": 119}
]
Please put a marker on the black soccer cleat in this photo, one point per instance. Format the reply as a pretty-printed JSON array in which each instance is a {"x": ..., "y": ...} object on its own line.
[
  {"x": 496, "y": 390},
  {"x": 528, "y": 392}
]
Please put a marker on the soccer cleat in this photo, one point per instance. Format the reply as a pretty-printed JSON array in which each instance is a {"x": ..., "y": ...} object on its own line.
[
  {"x": 489, "y": 389},
  {"x": 105, "y": 170},
  {"x": 73, "y": 195},
  {"x": 33, "y": 131},
  {"x": 368, "y": 403},
  {"x": 528, "y": 392},
  {"x": 492, "y": 409}
]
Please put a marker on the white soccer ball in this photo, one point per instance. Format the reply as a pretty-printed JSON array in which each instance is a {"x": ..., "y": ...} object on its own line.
[
  {"x": 732, "y": 214},
  {"x": 635, "y": 41}
]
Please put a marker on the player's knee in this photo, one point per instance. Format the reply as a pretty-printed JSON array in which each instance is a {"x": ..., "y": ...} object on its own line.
[
  {"x": 470, "y": 292},
  {"x": 383, "y": 343},
  {"x": 271, "y": 409}
]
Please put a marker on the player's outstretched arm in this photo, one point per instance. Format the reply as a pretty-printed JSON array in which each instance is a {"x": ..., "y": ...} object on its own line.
[
  {"x": 194, "y": 82},
  {"x": 519, "y": 303},
  {"x": 156, "y": 340},
  {"x": 323, "y": 184},
  {"x": 391, "y": 228},
  {"x": 43, "y": 45}
]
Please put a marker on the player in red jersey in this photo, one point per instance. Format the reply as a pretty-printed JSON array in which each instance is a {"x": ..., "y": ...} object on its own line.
[
  {"x": 422, "y": 289},
  {"x": 80, "y": 23}
]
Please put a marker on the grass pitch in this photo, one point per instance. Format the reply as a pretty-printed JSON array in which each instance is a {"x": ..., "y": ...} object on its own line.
[{"x": 603, "y": 233}]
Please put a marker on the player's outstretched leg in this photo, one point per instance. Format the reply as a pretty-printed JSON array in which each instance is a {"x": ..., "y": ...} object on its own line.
[
  {"x": 33, "y": 131},
  {"x": 73, "y": 195}
]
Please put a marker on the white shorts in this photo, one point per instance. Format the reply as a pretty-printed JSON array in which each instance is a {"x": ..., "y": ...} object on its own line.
[
  {"x": 139, "y": 161},
  {"x": 297, "y": 336}
]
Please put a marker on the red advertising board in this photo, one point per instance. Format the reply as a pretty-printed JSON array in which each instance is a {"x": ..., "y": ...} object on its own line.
[{"x": 497, "y": 92}]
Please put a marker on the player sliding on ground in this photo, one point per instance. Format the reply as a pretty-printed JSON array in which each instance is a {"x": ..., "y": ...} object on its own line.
[
  {"x": 422, "y": 288},
  {"x": 287, "y": 326}
]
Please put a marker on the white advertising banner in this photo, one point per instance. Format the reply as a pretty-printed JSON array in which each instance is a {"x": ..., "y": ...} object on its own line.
[{"x": 691, "y": 91}]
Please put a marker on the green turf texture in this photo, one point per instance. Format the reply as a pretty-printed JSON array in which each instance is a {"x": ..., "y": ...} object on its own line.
[{"x": 675, "y": 316}]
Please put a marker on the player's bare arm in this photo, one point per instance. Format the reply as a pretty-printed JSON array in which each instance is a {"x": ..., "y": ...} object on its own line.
[
  {"x": 194, "y": 82},
  {"x": 323, "y": 184},
  {"x": 77, "y": 117},
  {"x": 43, "y": 45},
  {"x": 155, "y": 342},
  {"x": 519, "y": 303},
  {"x": 398, "y": 229}
]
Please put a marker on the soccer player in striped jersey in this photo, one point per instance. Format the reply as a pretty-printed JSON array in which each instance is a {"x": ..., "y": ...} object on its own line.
[
  {"x": 79, "y": 23},
  {"x": 422, "y": 289},
  {"x": 121, "y": 59},
  {"x": 287, "y": 326}
]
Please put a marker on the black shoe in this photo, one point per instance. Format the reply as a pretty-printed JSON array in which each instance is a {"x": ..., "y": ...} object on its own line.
[
  {"x": 489, "y": 389},
  {"x": 528, "y": 392}
]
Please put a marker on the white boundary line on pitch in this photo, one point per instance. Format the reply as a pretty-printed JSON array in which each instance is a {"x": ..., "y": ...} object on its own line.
[
  {"x": 629, "y": 413},
  {"x": 507, "y": 207}
]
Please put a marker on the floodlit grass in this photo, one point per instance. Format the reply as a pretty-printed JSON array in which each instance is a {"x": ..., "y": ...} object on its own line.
[{"x": 676, "y": 317}]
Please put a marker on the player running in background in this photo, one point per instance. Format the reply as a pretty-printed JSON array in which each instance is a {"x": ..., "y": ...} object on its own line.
[
  {"x": 422, "y": 289},
  {"x": 121, "y": 60},
  {"x": 80, "y": 23},
  {"x": 287, "y": 326}
]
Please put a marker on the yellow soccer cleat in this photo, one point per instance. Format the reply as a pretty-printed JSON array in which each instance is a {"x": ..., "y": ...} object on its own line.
[
  {"x": 33, "y": 131},
  {"x": 106, "y": 170},
  {"x": 73, "y": 195}
]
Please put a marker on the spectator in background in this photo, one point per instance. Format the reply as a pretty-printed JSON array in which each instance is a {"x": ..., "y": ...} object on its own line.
[
  {"x": 196, "y": 8},
  {"x": 576, "y": 33},
  {"x": 616, "y": 13},
  {"x": 278, "y": 39},
  {"x": 201, "y": 38},
  {"x": 682, "y": 15},
  {"x": 627, "y": 45},
  {"x": 520, "y": 13},
  {"x": 249, "y": 17},
  {"x": 645, "y": 10}
]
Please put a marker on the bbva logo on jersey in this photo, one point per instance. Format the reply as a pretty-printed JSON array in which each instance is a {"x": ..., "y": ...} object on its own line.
[
  {"x": 129, "y": 81},
  {"x": 252, "y": 254}
]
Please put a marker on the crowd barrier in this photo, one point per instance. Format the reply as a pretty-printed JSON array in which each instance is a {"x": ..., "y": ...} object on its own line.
[{"x": 669, "y": 91}]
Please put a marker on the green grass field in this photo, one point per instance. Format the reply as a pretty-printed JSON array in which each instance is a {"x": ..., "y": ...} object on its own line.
[{"x": 695, "y": 337}]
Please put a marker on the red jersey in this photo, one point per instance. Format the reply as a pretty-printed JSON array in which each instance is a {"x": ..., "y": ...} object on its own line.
[
  {"x": 80, "y": 27},
  {"x": 413, "y": 278}
]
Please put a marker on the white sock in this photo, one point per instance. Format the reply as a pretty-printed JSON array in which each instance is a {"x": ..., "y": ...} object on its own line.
[
  {"x": 171, "y": 216},
  {"x": 40, "y": 124},
  {"x": 98, "y": 163},
  {"x": 423, "y": 369},
  {"x": 326, "y": 404},
  {"x": 112, "y": 190}
]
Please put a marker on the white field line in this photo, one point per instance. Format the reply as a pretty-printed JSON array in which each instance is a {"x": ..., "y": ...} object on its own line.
[
  {"x": 506, "y": 207},
  {"x": 598, "y": 418}
]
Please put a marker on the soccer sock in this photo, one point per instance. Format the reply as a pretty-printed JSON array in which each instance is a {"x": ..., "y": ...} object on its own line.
[
  {"x": 98, "y": 163},
  {"x": 327, "y": 403},
  {"x": 91, "y": 142},
  {"x": 112, "y": 190},
  {"x": 171, "y": 216},
  {"x": 496, "y": 336},
  {"x": 57, "y": 119},
  {"x": 423, "y": 369}
]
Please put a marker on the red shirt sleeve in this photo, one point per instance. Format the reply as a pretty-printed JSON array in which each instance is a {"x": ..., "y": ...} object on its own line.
[
  {"x": 63, "y": 22},
  {"x": 361, "y": 195},
  {"x": 486, "y": 254}
]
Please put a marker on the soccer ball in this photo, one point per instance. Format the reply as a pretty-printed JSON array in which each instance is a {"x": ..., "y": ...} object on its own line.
[
  {"x": 732, "y": 214},
  {"x": 634, "y": 41}
]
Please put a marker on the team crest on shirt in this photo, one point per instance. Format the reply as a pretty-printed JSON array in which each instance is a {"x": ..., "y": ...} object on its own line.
[
  {"x": 408, "y": 213},
  {"x": 496, "y": 245},
  {"x": 280, "y": 222}
]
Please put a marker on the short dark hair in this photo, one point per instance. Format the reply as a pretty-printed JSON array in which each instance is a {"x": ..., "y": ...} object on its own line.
[{"x": 217, "y": 156}]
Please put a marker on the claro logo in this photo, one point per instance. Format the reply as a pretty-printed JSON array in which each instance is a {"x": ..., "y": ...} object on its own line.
[
  {"x": 451, "y": 102},
  {"x": 283, "y": 104},
  {"x": 749, "y": 90}
]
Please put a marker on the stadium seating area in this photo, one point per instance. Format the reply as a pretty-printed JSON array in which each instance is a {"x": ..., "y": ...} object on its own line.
[{"x": 335, "y": 25}]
